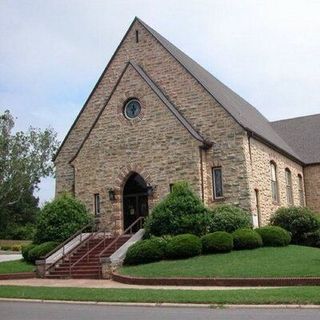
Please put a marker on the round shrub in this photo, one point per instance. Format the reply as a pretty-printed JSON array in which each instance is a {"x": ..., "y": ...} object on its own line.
[
  {"x": 246, "y": 239},
  {"x": 219, "y": 241},
  {"x": 229, "y": 218},
  {"x": 60, "y": 219},
  {"x": 311, "y": 239},
  {"x": 183, "y": 246},
  {"x": 25, "y": 251},
  {"x": 296, "y": 220},
  {"x": 273, "y": 236},
  {"x": 180, "y": 212},
  {"x": 145, "y": 251},
  {"x": 41, "y": 250}
]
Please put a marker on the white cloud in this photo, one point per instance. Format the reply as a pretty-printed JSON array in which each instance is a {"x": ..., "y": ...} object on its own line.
[{"x": 52, "y": 52}]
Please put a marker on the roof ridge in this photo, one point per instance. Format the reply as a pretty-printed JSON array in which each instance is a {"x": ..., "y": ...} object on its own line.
[
  {"x": 294, "y": 118},
  {"x": 245, "y": 114}
]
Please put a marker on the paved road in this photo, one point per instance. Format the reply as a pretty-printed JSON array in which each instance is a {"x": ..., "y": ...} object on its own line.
[
  {"x": 59, "y": 311},
  {"x": 10, "y": 257}
]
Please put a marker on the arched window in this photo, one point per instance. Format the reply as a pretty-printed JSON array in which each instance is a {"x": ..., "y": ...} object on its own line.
[
  {"x": 301, "y": 195},
  {"x": 274, "y": 182},
  {"x": 289, "y": 187}
]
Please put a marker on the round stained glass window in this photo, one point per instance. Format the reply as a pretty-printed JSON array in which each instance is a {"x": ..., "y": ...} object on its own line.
[{"x": 132, "y": 109}]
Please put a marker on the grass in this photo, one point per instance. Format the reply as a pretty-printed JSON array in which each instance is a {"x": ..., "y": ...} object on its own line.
[
  {"x": 15, "y": 266},
  {"x": 291, "y": 261},
  {"x": 293, "y": 295}
]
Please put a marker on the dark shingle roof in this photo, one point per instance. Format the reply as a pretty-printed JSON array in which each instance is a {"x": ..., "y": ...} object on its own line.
[
  {"x": 303, "y": 135},
  {"x": 242, "y": 111}
]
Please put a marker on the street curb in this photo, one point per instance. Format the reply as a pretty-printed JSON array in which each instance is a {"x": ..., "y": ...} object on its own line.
[{"x": 172, "y": 305}]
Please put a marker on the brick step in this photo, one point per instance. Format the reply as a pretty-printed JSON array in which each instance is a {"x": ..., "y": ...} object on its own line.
[
  {"x": 80, "y": 272},
  {"x": 82, "y": 276},
  {"x": 80, "y": 267}
]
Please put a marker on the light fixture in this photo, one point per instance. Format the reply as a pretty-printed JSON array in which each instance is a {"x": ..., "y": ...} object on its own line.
[
  {"x": 150, "y": 190},
  {"x": 112, "y": 195}
]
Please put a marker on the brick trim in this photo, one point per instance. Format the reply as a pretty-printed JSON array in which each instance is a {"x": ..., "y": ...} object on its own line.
[
  {"x": 225, "y": 282},
  {"x": 20, "y": 275}
]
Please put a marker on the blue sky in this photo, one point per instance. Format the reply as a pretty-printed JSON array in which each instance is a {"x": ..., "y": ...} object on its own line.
[{"x": 53, "y": 52}]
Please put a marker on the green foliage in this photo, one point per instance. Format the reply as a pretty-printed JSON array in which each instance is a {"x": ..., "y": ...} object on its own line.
[
  {"x": 183, "y": 246},
  {"x": 41, "y": 250},
  {"x": 219, "y": 241},
  {"x": 25, "y": 251},
  {"x": 25, "y": 158},
  {"x": 18, "y": 232},
  {"x": 146, "y": 251},
  {"x": 246, "y": 239},
  {"x": 311, "y": 239},
  {"x": 296, "y": 220},
  {"x": 229, "y": 218},
  {"x": 60, "y": 219},
  {"x": 180, "y": 212},
  {"x": 273, "y": 236}
]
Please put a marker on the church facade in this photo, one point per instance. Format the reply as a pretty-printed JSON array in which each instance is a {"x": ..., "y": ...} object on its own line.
[{"x": 156, "y": 117}]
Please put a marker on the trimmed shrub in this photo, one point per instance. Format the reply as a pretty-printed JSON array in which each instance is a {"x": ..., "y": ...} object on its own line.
[
  {"x": 41, "y": 250},
  {"x": 296, "y": 220},
  {"x": 311, "y": 239},
  {"x": 273, "y": 236},
  {"x": 60, "y": 219},
  {"x": 246, "y": 239},
  {"x": 219, "y": 241},
  {"x": 25, "y": 251},
  {"x": 178, "y": 213},
  {"x": 145, "y": 251},
  {"x": 183, "y": 246},
  {"x": 229, "y": 218}
]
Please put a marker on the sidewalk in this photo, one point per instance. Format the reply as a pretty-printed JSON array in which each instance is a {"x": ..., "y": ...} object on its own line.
[
  {"x": 10, "y": 256},
  {"x": 107, "y": 284}
]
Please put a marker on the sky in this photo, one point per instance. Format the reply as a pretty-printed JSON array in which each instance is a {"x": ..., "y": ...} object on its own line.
[{"x": 52, "y": 52}]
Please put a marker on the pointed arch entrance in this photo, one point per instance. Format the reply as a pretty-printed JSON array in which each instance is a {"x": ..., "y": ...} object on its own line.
[{"x": 135, "y": 199}]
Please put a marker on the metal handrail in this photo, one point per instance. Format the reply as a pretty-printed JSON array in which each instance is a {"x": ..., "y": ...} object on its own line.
[
  {"x": 99, "y": 243},
  {"x": 140, "y": 219},
  {"x": 68, "y": 240},
  {"x": 88, "y": 252},
  {"x": 67, "y": 255}
]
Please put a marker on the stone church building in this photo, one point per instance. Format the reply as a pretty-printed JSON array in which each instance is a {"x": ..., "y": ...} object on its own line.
[{"x": 156, "y": 116}]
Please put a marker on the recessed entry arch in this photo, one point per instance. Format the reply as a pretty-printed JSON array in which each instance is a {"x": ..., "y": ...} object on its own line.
[{"x": 135, "y": 199}]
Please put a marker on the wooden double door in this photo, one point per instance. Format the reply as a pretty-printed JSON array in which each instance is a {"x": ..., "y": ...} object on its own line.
[{"x": 135, "y": 200}]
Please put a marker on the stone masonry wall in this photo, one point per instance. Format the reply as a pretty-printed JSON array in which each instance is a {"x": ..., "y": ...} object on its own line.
[
  {"x": 205, "y": 114},
  {"x": 156, "y": 146},
  {"x": 258, "y": 160},
  {"x": 312, "y": 185}
]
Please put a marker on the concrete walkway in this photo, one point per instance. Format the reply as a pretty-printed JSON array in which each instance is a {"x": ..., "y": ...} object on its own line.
[
  {"x": 10, "y": 257},
  {"x": 107, "y": 284}
]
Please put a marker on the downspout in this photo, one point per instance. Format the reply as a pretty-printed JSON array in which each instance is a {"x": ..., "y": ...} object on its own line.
[
  {"x": 204, "y": 147},
  {"x": 201, "y": 174}
]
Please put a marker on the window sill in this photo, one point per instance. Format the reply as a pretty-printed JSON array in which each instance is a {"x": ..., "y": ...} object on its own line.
[{"x": 220, "y": 199}]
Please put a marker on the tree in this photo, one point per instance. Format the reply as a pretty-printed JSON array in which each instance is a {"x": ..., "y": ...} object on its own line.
[{"x": 25, "y": 158}]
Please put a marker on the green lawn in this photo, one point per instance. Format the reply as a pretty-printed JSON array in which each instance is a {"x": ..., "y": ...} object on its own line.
[
  {"x": 291, "y": 261},
  {"x": 293, "y": 295},
  {"x": 15, "y": 266}
]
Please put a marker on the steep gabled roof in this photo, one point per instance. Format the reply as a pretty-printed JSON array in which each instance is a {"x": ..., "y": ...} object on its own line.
[
  {"x": 242, "y": 111},
  {"x": 303, "y": 135},
  {"x": 195, "y": 134}
]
